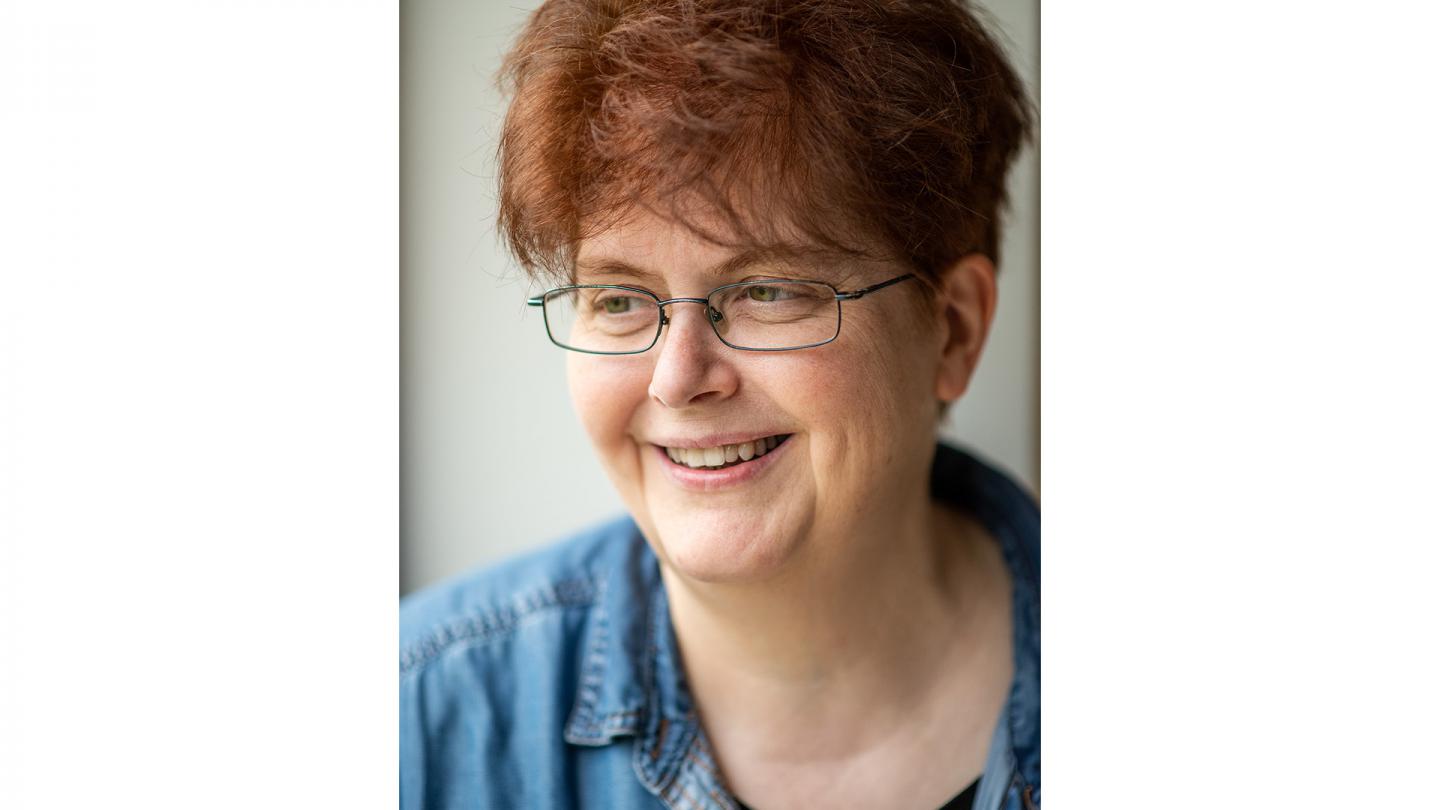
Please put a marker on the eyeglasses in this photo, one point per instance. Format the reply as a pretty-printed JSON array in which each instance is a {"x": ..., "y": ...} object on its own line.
[{"x": 766, "y": 315}]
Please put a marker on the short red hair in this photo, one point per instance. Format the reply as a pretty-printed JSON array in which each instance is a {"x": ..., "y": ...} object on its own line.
[{"x": 894, "y": 121}]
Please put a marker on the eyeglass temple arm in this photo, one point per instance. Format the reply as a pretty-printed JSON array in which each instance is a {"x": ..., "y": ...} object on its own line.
[
  {"x": 861, "y": 293},
  {"x": 535, "y": 301}
]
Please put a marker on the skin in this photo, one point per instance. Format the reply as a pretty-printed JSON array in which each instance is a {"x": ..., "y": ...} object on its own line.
[{"x": 846, "y": 638}]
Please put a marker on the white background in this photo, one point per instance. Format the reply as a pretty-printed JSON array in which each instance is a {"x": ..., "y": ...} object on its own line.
[
  {"x": 199, "y": 405},
  {"x": 494, "y": 460}
]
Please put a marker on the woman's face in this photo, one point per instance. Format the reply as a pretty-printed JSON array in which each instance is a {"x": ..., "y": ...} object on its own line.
[{"x": 854, "y": 419}]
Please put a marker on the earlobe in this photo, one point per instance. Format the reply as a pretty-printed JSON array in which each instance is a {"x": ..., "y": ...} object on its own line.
[{"x": 965, "y": 307}]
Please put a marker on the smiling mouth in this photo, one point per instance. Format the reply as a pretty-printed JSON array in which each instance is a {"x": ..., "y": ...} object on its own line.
[{"x": 725, "y": 455}]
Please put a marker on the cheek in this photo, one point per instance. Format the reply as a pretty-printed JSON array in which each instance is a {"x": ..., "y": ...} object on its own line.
[
  {"x": 885, "y": 377},
  {"x": 606, "y": 392},
  {"x": 878, "y": 395}
]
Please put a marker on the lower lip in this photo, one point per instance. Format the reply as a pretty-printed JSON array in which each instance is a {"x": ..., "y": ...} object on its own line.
[{"x": 703, "y": 480}]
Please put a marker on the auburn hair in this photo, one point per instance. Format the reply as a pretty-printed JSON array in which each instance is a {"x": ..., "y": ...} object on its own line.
[{"x": 863, "y": 126}]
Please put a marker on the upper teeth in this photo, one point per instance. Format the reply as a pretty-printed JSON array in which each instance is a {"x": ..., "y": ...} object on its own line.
[{"x": 723, "y": 454}]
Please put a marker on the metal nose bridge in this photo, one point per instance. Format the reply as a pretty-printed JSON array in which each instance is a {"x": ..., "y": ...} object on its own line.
[{"x": 714, "y": 315}]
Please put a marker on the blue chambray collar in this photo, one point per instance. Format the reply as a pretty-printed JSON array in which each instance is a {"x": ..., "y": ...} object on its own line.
[
  {"x": 1012, "y": 518},
  {"x": 630, "y": 676},
  {"x": 632, "y": 682}
]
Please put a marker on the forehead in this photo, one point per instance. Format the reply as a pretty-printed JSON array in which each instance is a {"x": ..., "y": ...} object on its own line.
[{"x": 653, "y": 250}]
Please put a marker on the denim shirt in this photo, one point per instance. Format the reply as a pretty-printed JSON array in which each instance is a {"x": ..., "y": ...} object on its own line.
[{"x": 554, "y": 680}]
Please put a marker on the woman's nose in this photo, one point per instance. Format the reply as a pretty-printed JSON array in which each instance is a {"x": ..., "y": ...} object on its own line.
[{"x": 692, "y": 366}]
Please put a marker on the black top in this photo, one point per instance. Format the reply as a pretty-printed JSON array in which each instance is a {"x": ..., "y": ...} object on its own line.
[{"x": 964, "y": 800}]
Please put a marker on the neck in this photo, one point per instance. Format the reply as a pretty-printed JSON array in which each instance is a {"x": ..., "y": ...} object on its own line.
[{"x": 838, "y": 650}]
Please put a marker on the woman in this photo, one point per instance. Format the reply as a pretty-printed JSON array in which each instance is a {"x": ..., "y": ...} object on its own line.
[{"x": 769, "y": 229}]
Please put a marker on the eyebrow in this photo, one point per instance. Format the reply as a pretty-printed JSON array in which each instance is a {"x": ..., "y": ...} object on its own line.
[{"x": 794, "y": 256}]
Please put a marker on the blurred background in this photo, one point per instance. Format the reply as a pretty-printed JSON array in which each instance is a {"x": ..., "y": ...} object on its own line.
[{"x": 493, "y": 459}]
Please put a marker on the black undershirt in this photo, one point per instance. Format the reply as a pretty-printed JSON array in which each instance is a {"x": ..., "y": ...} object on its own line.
[{"x": 965, "y": 800}]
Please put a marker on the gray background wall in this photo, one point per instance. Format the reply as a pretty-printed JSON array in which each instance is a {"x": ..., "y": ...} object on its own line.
[{"x": 493, "y": 459}]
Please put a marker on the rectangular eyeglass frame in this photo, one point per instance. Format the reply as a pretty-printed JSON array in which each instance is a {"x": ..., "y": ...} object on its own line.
[{"x": 840, "y": 296}]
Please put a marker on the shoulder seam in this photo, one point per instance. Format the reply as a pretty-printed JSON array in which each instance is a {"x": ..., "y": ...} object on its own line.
[{"x": 496, "y": 622}]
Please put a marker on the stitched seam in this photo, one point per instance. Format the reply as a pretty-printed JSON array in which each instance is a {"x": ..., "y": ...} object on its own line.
[
  {"x": 592, "y": 674},
  {"x": 612, "y": 726},
  {"x": 698, "y": 753},
  {"x": 702, "y": 764},
  {"x": 694, "y": 802},
  {"x": 652, "y": 701},
  {"x": 483, "y": 627}
]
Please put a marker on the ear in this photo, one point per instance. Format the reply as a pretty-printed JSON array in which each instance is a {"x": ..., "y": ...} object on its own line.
[{"x": 964, "y": 308}]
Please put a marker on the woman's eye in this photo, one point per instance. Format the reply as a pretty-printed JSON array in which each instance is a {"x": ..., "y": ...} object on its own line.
[
  {"x": 617, "y": 305},
  {"x": 763, "y": 293}
]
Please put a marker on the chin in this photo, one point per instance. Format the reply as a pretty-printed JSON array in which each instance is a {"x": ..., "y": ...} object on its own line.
[{"x": 723, "y": 548}]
